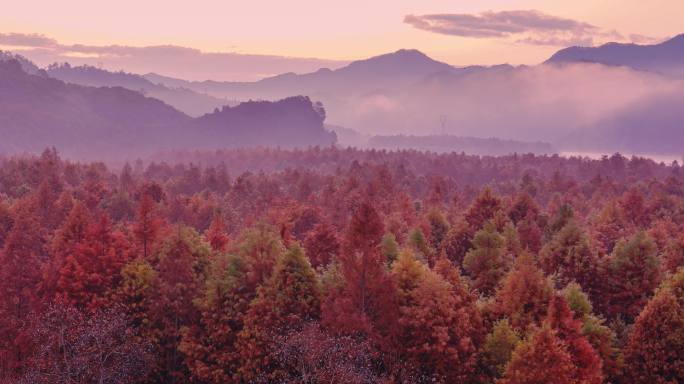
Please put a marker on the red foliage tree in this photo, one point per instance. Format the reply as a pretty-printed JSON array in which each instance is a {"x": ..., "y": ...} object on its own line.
[
  {"x": 483, "y": 209},
  {"x": 523, "y": 207},
  {"x": 633, "y": 205},
  {"x": 673, "y": 254},
  {"x": 582, "y": 354},
  {"x": 216, "y": 234},
  {"x": 609, "y": 227},
  {"x": 93, "y": 268},
  {"x": 458, "y": 242},
  {"x": 175, "y": 287},
  {"x": 530, "y": 234},
  {"x": 20, "y": 265},
  {"x": 541, "y": 359},
  {"x": 322, "y": 245},
  {"x": 367, "y": 293},
  {"x": 569, "y": 256},
  {"x": 290, "y": 297},
  {"x": 436, "y": 336},
  {"x": 147, "y": 224},
  {"x": 629, "y": 276},
  {"x": 524, "y": 294},
  {"x": 68, "y": 237},
  {"x": 210, "y": 346},
  {"x": 655, "y": 350}
]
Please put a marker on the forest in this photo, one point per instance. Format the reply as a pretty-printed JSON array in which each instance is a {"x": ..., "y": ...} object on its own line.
[{"x": 330, "y": 265}]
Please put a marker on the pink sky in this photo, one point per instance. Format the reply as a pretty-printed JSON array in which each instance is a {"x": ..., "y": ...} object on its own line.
[{"x": 352, "y": 29}]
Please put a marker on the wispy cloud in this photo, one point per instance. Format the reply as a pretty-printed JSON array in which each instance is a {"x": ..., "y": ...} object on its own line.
[
  {"x": 523, "y": 26},
  {"x": 171, "y": 60},
  {"x": 26, "y": 40}
]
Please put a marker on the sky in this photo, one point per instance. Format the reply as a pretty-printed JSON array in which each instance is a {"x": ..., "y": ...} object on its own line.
[{"x": 459, "y": 32}]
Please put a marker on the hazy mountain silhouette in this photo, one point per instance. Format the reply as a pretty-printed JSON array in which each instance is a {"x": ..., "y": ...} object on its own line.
[
  {"x": 343, "y": 91},
  {"x": 114, "y": 122},
  {"x": 285, "y": 123},
  {"x": 183, "y": 99},
  {"x": 580, "y": 105},
  {"x": 666, "y": 57},
  {"x": 393, "y": 70},
  {"x": 38, "y": 111},
  {"x": 408, "y": 93}
]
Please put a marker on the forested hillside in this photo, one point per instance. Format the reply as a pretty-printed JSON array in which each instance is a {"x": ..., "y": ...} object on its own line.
[
  {"x": 114, "y": 123},
  {"x": 341, "y": 266}
]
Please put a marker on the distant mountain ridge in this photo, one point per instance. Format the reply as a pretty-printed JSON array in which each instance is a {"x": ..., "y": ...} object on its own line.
[
  {"x": 113, "y": 122},
  {"x": 406, "y": 92},
  {"x": 392, "y": 70},
  {"x": 186, "y": 100},
  {"x": 666, "y": 57},
  {"x": 38, "y": 111},
  {"x": 613, "y": 97}
]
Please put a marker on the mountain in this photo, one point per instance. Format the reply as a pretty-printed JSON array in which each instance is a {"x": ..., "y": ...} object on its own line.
[
  {"x": 572, "y": 106},
  {"x": 38, "y": 111},
  {"x": 191, "y": 102},
  {"x": 113, "y": 122},
  {"x": 666, "y": 58},
  {"x": 393, "y": 70},
  {"x": 347, "y": 93}
]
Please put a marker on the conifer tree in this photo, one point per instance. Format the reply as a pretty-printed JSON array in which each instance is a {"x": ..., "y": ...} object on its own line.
[
  {"x": 487, "y": 262},
  {"x": 390, "y": 248},
  {"x": 21, "y": 260},
  {"x": 93, "y": 267},
  {"x": 436, "y": 336},
  {"x": 655, "y": 350},
  {"x": 210, "y": 346},
  {"x": 541, "y": 359},
  {"x": 216, "y": 234},
  {"x": 322, "y": 245},
  {"x": 176, "y": 286},
  {"x": 530, "y": 234},
  {"x": 523, "y": 295},
  {"x": 498, "y": 348},
  {"x": 288, "y": 299},
  {"x": 483, "y": 209},
  {"x": 569, "y": 257},
  {"x": 629, "y": 276},
  {"x": 586, "y": 360},
  {"x": 367, "y": 298},
  {"x": 458, "y": 242},
  {"x": 147, "y": 225}
]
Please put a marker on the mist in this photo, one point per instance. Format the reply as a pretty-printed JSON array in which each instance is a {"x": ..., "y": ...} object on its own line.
[{"x": 545, "y": 102}]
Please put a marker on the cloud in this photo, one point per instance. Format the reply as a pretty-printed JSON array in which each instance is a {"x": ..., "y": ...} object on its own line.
[
  {"x": 497, "y": 24},
  {"x": 522, "y": 26},
  {"x": 169, "y": 60},
  {"x": 26, "y": 40}
]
